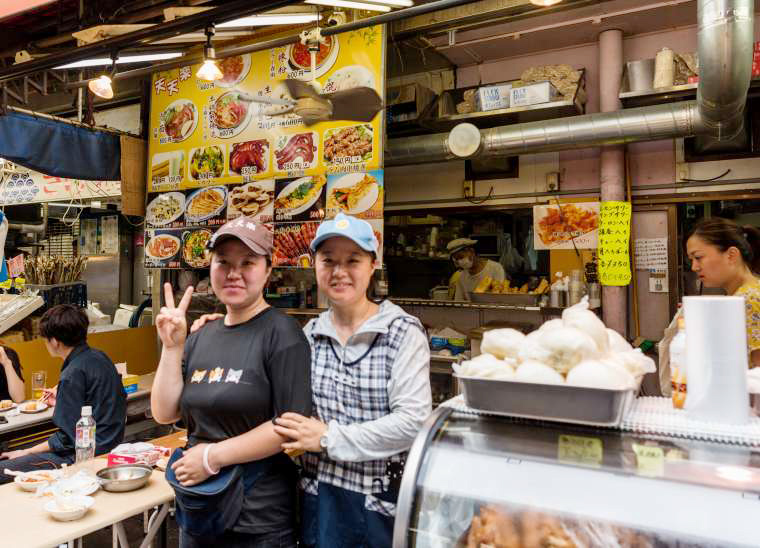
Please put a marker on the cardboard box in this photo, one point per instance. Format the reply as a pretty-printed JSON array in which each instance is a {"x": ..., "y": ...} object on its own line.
[
  {"x": 130, "y": 383},
  {"x": 493, "y": 97},
  {"x": 533, "y": 94},
  {"x": 149, "y": 455}
]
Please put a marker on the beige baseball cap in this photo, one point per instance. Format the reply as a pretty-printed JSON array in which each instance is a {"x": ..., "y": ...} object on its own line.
[
  {"x": 459, "y": 244},
  {"x": 256, "y": 236}
]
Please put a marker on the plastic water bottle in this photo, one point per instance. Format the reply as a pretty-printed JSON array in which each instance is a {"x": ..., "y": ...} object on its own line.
[{"x": 85, "y": 436}]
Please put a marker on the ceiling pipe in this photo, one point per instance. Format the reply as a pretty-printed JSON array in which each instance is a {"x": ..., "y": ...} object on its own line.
[
  {"x": 281, "y": 42},
  {"x": 226, "y": 12},
  {"x": 36, "y": 228},
  {"x": 726, "y": 41},
  {"x": 667, "y": 121}
]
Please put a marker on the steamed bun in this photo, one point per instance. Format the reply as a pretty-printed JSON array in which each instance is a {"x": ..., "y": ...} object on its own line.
[
  {"x": 567, "y": 347},
  {"x": 617, "y": 342},
  {"x": 502, "y": 343},
  {"x": 539, "y": 373},
  {"x": 635, "y": 362},
  {"x": 486, "y": 366},
  {"x": 580, "y": 317},
  {"x": 600, "y": 374}
]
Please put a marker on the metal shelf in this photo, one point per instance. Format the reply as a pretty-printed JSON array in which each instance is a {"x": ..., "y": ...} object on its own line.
[
  {"x": 632, "y": 99},
  {"x": 462, "y": 304},
  {"x": 507, "y": 116},
  {"x": 686, "y": 92}
]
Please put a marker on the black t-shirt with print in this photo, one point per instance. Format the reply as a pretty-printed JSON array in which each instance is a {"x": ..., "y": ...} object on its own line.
[
  {"x": 5, "y": 394},
  {"x": 238, "y": 377}
]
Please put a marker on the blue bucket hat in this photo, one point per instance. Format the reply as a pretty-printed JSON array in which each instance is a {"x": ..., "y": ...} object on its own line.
[{"x": 358, "y": 231}]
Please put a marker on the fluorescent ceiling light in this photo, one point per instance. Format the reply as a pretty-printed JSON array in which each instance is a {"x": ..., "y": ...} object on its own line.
[
  {"x": 544, "y": 3},
  {"x": 349, "y": 4},
  {"x": 100, "y": 61},
  {"x": 274, "y": 19},
  {"x": 400, "y": 3}
]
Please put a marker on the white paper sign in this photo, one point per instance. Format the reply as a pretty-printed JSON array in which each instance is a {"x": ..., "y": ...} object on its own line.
[
  {"x": 651, "y": 253},
  {"x": 658, "y": 281}
]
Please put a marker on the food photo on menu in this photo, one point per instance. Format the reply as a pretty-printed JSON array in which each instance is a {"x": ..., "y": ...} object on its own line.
[
  {"x": 566, "y": 226},
  {"x": 358, "y": 194},
  {"x": 300, "y": 199},
  {"x": 231, "y": 114},
  {"x": 296, "y": 152},
  {"x": 352, "y": 144},
  {"x": 167, "y": 167},
  {"x": 299, "y": 57},
  {"x": 254, "y": 199},
  {"x": 249, "y": 158},
  {"x": 291, "y": 244},
  {"x": 207, "y": 206},
  {"x": 195, "y": 254},
  {"x": 207, "y": 162},
  {"x": 162, "y": 248},
  {"x": 165, "y": 210},
  {"x": 178, "y": 121},
  {"x": 234, "y": 70}
]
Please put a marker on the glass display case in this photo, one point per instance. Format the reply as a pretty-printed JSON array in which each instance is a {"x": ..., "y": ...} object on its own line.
[{"x": 490, "y": 482}]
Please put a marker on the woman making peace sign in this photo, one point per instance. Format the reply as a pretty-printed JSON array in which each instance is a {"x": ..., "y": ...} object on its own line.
[{"x": 228, "y": 381}]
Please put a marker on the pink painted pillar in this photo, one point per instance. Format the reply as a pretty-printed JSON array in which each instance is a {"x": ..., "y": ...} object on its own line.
[{"x": 612, "y": 162}]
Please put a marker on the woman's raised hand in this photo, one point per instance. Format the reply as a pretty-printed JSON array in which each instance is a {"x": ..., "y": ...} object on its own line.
[{"x": 171, "y": 321}]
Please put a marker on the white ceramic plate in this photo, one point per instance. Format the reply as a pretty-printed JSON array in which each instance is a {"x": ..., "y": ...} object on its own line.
[
  {"x": 151, "y": 256},
  {"x": 80, "y": 505},
  {"x": 226, "y": 133},
  {"x": 198, "y": 218},
  {"x": 179, "y": 103},
  {"x": 350, "y": 77},
  {"x": 39, "y": 408},
  {"x": 290, "y": 188},
  {"x": 13, "y": 406},
  {"x": 149, "y": 211},
  {"x": 240, "y": 77},
  {"x": 33, "y": 485},
  {"x": 76, "y": 485},
  {"x": 369, "y": 199}
]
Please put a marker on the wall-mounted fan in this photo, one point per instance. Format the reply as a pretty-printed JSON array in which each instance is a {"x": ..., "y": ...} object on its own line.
[{"x": 359, "y": 104}]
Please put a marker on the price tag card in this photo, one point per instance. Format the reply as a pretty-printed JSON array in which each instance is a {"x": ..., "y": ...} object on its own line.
[
  {"x": 580, "y": 450},
  {"x": 650, "y": 460},
  {"x": 614, "y": 243}
]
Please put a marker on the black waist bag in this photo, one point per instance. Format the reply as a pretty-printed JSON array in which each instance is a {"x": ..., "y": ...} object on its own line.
[{"x": 212, "y": 507}]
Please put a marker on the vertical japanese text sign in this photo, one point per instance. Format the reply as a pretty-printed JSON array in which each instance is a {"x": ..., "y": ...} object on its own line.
[{"x": 614, "y": 247}]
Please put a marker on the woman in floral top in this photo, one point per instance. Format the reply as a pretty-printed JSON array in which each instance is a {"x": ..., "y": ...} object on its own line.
[{"x": 727, "y": 255}]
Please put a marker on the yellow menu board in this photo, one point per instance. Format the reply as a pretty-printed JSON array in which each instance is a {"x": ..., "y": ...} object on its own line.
[
  {"x": 614, "y": 243},
  {"x": 215, "y": 153}
]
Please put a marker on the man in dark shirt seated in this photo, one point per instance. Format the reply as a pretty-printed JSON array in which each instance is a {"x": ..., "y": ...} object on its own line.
[{"x": 88, "y": 377}]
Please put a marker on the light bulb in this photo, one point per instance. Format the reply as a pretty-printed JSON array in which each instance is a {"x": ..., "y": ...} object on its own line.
[
  {"x": 544, "y": 3},
  {"x": 209, "y": 71},
  {"x": 101, "y": 87}
]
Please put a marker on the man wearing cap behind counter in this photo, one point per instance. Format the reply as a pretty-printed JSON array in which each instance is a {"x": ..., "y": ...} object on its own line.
[{"x": 474, "y": 268}]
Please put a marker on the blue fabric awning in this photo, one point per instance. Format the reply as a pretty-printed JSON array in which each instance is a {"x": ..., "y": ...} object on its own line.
[{"x": 59, "y": 149}]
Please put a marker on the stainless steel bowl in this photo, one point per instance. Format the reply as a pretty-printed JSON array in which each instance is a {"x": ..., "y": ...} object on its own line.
[{"x": 125, "y": 477}]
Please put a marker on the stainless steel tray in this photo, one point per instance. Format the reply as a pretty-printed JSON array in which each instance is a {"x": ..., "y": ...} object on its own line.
[
  {"x": 516, "y": 299},
  {"x": 548, "y": 402}
]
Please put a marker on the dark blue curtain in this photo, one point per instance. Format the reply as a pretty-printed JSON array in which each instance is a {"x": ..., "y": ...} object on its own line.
[{"x": 59, "y": 149}]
